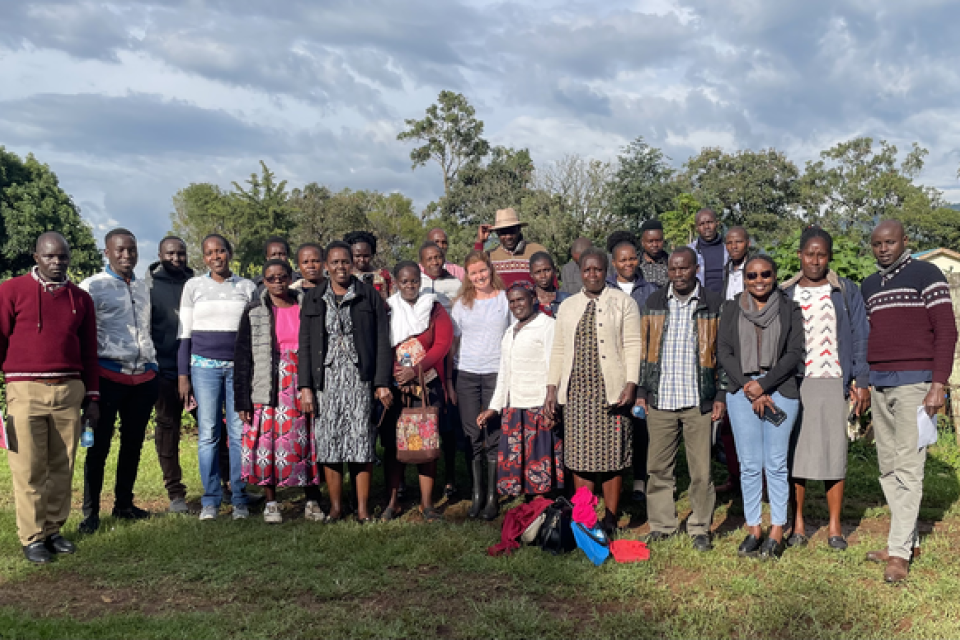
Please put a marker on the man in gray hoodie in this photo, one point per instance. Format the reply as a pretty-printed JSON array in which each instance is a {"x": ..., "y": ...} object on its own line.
[{"x": 166, "y": 279}]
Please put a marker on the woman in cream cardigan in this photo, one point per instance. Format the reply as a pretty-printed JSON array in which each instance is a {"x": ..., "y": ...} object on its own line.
[{"x": 594, "y": 370}]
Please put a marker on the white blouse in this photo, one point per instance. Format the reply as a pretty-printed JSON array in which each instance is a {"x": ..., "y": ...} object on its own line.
[{"x": 524, "y": 362}]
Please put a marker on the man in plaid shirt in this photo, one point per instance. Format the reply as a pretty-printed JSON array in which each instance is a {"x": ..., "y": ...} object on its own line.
[{"x": 681, "y": 386}]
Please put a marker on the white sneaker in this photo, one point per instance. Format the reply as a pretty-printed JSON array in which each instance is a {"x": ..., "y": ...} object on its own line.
[
  {"x": 241, "y": 512},
  {"x": 313, "y": 512},
  {"x": 208, "y": 513},
  {"x": 271, "y": 513}
]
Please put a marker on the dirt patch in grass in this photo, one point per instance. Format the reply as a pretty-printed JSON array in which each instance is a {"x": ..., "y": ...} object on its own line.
[{"x": 69, "y": 595}]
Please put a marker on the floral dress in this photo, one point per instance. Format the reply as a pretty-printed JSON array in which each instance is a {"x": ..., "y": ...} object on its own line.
[{"x": 277, "y": 448}]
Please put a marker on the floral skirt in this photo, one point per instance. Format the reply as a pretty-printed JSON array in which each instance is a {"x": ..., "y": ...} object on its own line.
[
  {"x": 530, "y": 457},
  {"x": 277, "y": 448}
]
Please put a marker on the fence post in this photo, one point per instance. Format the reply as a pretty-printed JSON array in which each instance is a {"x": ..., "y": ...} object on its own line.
[{"x": 954, "y": 280}]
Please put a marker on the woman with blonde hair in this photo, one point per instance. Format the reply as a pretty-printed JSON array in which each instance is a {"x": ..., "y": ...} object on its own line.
[{"x": 480, "y": 316}]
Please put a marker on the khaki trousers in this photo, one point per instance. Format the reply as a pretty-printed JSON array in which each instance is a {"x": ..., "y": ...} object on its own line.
[
  {"x": 665, "y": 428},
  {"x": 901, "y": 462},
  {"x": 45, "y": 430}
]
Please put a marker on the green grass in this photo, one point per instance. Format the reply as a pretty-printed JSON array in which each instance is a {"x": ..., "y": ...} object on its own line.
[{"x": 174, "y": 576}]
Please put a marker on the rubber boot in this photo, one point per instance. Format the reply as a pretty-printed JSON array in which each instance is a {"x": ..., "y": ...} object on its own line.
[
  {"x": 492, "y": 510},
  {"x": 476, "y": 465}
]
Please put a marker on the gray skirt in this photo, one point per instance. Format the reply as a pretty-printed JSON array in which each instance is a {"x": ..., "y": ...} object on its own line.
[{"x": 819, "y": 449}]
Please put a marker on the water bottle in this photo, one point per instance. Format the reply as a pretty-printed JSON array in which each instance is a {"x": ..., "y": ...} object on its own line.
[
  {"x": 638, "y": 412},
  {"x": 406, "y": 360},
  {"x": 86, "y": 436}
]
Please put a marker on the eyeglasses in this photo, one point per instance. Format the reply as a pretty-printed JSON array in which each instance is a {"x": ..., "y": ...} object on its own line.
[
  {"x": 277, "y": 279},
  {"x": 753, "y": 275}
]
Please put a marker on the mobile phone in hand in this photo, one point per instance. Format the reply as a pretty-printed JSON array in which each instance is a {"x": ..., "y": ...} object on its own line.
[{"x": 775, "y": 416}]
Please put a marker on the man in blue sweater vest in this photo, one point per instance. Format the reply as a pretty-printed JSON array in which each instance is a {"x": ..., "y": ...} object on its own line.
[{"x": 913, "y": 334}]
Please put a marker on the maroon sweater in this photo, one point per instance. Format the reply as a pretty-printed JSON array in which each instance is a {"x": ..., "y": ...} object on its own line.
[
  {"x": 48, "y": 334},
  {"x": 912, "y": 327}
]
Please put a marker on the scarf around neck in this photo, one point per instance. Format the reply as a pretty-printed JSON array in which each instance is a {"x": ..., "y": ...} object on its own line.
[
  {"x": 887, "y": 272},
  {"x": 407, "y": 320},
  {"x": 759, "y": 333}
]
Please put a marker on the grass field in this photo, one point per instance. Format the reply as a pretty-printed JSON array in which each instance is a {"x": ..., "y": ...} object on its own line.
[{"x": 172, "y": 577}]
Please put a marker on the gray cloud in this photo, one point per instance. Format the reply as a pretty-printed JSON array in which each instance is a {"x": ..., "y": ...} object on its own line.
[
  {"x": 136, "y": 124},
  {"x": 559, "y": 76}
]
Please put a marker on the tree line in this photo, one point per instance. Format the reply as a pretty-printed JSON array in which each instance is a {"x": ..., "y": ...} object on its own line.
[{"x": 847, "y": 190}]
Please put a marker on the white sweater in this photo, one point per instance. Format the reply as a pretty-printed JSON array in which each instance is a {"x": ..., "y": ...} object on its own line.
[{"x": 524, "y": 362}]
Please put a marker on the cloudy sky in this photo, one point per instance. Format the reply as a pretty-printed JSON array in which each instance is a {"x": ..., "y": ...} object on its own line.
[{"x": 129, "y": 102}]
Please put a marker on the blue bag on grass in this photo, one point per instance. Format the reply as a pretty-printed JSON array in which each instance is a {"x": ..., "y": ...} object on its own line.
[{"x": 592, "y": 542}]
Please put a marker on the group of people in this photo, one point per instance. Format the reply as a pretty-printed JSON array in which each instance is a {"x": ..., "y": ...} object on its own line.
[{"x": 546, "y": 380}]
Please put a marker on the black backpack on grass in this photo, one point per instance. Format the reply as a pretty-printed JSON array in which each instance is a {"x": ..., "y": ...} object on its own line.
[{"x": 556, "y": 532}]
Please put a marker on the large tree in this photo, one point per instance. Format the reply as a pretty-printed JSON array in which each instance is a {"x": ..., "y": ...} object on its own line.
[
  {"x": 264, "y": 207},
  {"x": 320, "y": 215},
  {"x": 855, "y": 185},
  {"x": 32, "y": 202},
  {"x": 641, "y": 187},
  {"x": 201, "y": 209},
  {"x": 756, "y": 189},
  {"x": 583, "y": 188},
  {"x": 246, "y": 217},
  {"x": 450, "y": 134}
]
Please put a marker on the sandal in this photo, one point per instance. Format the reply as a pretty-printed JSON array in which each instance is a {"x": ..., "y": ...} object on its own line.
[
  {"x": 837, "y": 542},
  {"x": 430, "y": 514},
  {"x": 389, "y": 514},
  {"x": 797, "y": 540}
]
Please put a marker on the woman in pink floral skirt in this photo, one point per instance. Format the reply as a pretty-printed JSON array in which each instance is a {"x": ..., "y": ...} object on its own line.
[{"x": 277, "y": 447}]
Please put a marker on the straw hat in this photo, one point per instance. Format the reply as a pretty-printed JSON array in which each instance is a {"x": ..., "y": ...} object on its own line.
[{"x": 507, "y": 218}]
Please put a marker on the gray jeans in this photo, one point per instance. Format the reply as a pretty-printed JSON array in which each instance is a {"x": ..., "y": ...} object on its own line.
[{"x": 901, "y": 461}]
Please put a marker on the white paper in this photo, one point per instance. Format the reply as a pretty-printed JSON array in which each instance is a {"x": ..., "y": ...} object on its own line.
[{"x": 927, "y": 427}]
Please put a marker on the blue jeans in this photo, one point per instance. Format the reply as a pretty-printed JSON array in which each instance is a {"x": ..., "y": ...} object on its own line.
[
  {"x": 762, "y": 448},
  {"x": 213, "y": 389}
]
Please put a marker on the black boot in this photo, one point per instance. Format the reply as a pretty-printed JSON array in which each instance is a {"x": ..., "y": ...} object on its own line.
[
  {"x": 476, "y": 465},
  {"x": 492, "y": 510}
]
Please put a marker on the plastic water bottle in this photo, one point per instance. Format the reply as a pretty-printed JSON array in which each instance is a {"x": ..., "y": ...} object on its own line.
[
  {"x": 406, "y": 360},
  {"x": 638, "y": 412},
  {"x": 86, "y": 436}
]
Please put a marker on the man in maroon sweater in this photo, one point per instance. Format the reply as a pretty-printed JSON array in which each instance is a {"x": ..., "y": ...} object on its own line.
[
  {"x": 48, "y": 352},
  {"x": 913, "y": 334}
]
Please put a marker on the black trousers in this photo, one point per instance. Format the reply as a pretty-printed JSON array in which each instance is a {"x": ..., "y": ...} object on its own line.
[
  {"x": 474, "y": 392},
  {"x": 133, "y": 403},
  {"x": 167, "y": 437}
]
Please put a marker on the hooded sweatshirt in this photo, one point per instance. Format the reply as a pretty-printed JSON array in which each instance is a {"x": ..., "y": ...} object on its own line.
[{"x": 166, "y": 288}]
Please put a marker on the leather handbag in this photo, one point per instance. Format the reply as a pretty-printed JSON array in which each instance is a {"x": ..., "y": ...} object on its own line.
[
  {"x": 418, "y": 429},
  {"x": 556, "y": 532}
]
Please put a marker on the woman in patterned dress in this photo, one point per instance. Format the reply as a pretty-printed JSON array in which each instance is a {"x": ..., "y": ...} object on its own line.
[
  {"x": 530, "y": 459},
  {"x": 277, "y": 447},
  {"x": 594, "y": 367},
  {"x": 836, "y": 379},
  {"x": 345, "y": 362}
]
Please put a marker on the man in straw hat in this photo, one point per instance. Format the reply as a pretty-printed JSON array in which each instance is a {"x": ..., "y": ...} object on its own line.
[{"x": 512, "y": 258}]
